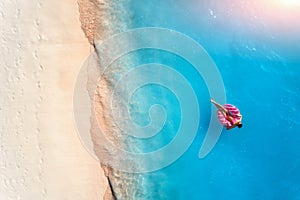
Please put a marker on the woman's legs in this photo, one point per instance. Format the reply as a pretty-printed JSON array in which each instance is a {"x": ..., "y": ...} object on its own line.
[{"x": 219, "y": 106}]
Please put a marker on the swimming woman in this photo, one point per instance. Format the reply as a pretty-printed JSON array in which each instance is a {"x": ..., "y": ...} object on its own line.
[{"x": 228, "y": 115}]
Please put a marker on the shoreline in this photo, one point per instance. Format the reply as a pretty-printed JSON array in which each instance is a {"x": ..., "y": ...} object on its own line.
[{"x": 99, "y": 20}]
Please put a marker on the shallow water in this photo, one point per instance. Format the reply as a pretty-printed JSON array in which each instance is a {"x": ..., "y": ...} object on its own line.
[{"x": 256, "y": 49}]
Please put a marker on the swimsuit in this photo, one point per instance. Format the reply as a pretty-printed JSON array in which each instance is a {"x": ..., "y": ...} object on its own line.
[{"x": 231, "y": 118}]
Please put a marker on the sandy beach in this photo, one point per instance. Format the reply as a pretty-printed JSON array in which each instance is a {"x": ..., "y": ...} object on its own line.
[{"x": 42, "y": 49}]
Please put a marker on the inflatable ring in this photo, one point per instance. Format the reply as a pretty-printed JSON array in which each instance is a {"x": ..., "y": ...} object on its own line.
[{"x": 234, "y": 113}]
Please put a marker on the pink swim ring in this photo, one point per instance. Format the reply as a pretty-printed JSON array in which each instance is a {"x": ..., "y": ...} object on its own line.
[{"x": 233, "y": 112}]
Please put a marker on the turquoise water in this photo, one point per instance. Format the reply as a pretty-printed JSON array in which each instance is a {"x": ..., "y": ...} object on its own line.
[{"x": 260, "y": 67}]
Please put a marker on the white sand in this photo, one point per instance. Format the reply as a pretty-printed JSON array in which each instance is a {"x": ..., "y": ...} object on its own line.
[{"x": 41, "y": 157}]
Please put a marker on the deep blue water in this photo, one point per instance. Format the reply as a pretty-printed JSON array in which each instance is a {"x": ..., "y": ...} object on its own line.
[{"x": 260, "y": 67}]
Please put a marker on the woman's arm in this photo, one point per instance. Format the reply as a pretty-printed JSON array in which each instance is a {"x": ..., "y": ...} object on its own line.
[
  {"x": 230, "y": 127},
  {"x": 240, "y": 116}
]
